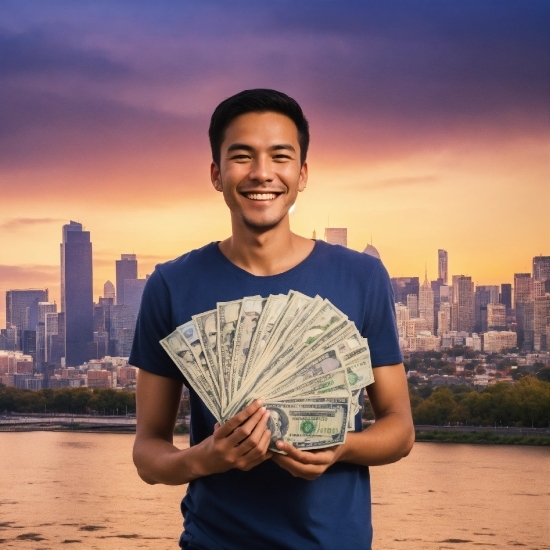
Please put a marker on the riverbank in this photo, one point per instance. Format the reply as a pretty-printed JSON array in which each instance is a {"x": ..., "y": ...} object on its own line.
[{"x": 481, "y": 437}]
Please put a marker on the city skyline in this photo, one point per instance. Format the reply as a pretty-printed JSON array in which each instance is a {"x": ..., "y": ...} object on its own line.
[
  {"x": 125, "y": 267},
  {"x": 429, "y": 129}
]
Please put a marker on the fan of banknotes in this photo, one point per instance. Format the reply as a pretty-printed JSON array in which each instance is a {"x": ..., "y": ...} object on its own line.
[{"x": 302, "y": 355}]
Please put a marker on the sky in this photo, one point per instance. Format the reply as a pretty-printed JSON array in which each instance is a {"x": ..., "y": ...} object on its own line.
[{"x": 429, "y": 128}]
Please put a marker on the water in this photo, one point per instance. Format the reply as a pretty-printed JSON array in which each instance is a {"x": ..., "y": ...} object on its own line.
[{"x": 76, "y": 490}]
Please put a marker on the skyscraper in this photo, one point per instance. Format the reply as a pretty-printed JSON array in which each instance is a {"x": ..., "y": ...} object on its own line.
[
  {"x": 462, "y": 312},
  {"x": 541, "y": 268},
  {"x": 443, "y": 266},
  {"x": 126, "y": 269},
  {"x": 77, "y": 292},
  {"x": 337, "y": 235},
  {"x": 22, "y": 307},
  {"x": 426, "y": 304},
  {"x": 403, "y": 286},
  {"x": 523, "y": 288},
  {"x": 109, "y": 290},
  {"x": 506, "y": 296}
]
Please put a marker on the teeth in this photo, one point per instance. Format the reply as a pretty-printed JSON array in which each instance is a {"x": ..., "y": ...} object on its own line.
[{"x": 261, "y": 196}]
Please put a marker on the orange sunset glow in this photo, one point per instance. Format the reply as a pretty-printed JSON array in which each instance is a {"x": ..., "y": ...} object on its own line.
[{"x": 429, "y": 129}]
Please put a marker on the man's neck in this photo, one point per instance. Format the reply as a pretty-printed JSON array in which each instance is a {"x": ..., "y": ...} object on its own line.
[{"x": 266, "y": 253}]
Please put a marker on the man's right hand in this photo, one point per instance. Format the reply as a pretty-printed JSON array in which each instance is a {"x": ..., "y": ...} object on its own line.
[{"x": 242, "y": 442}]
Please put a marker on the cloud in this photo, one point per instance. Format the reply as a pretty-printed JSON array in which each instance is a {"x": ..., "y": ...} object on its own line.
[
  {"x": 399, "y": 182},
  {"x": 21, "y": 276},
  {"x": 15, "y": 224}
]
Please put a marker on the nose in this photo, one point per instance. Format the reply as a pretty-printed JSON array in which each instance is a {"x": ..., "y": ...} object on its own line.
[{"x": 261, "y": 169}]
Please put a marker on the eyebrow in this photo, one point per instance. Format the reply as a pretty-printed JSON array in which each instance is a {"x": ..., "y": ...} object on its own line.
[{"x": 244, "y": 147}]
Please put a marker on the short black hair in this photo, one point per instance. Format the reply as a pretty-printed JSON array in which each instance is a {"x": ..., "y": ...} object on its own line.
[{"x": 259, "y": 100}]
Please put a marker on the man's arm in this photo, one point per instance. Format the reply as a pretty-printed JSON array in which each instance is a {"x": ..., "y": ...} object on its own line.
[
  {"x": 389, "y": 439},
  {"x": 242, "y": 442}
]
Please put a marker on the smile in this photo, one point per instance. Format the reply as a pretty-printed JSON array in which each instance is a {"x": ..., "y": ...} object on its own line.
[{"x": 260, "y": 196}]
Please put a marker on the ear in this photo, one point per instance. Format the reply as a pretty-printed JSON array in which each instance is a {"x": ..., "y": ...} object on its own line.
[
  {"x": 303, "y": 177},
  {"x": 215, "y": 177}
]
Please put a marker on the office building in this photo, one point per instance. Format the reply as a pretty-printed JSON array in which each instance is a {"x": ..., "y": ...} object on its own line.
[
  {"x": 443, "y": 266},
  {"x": 505, "y": 297},
  {"x": 523, "y": 288},
  {"x": 412, "y": 304},
  {"x": 426, "y": 304},
  {"x": 133, "y": 290},
  {"x": 77, "y": 292},
  {"x": 22, "y": 307},
  {"x": 496, "y": 341},
  {"x": 403, "y": 286},
  {"x": 126, "y": 270},
  {"x": 541, "y": 268},
  {"x": 462, "y": 306},
  {"x": 496, "y": 317},
  {"x": 337, "y": 235},
  {"x": 43, "y": 309},
  {"x": 109, "y": 290}
]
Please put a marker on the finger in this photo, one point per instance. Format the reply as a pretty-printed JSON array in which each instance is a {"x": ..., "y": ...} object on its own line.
[
  {"x": 235, "y": 421},
  {"x": 320, "y": 457},
  {"x": 261, "y": 446},
  {"x": 249, "y": 434}
]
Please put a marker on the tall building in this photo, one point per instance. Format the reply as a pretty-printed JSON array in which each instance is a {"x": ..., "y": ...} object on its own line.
[
  {"x": 443, "y": 266},
  {"x": 462, "y": 312},
  {"x": 126, "y": 269},
  {"x": 496, "y": 317},
  {"x": 484, "y": 295},
  {"x": 403, "y": 286},
  {"x": 133, "y": 290},
  {"x": 412, "y": 304},
  {"x": 22, "y": 307},
  {"x": 523, "y": 288},
  {"x": 541, "y": 268},
  {"x": 505, "y": 297},
  {"x": 109, "y": 290},
  {"x": 77, "y": 293},
  {"x": 43, "y": 309},
  {"x": 337, "y": 235},
  {"x": 426, "y": 304}
]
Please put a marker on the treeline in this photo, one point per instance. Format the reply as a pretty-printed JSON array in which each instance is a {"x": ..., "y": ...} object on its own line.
[
  {"x": 67, "y": 400},
  {"x": 524, "y": 404}
]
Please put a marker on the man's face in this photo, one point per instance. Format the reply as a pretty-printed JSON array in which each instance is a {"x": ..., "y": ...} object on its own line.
[{"x": 260, "y": 173}]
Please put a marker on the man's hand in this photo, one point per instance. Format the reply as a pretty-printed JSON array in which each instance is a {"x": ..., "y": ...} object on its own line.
[
  {"x": 242, "y": 442},
  {"x": 306, "y": 464}
]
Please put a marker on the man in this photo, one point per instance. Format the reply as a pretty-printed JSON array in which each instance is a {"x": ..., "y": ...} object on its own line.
[{"x": 240, "y": 494}]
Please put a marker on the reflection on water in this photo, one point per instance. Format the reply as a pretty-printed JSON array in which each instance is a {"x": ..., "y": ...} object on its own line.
[{"x": 60, "y": 490}]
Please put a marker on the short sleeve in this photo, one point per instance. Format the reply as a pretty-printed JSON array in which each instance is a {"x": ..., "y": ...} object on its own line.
[
  {"x": 154, "y": 323},
  {"x": 380, "y": 327}
]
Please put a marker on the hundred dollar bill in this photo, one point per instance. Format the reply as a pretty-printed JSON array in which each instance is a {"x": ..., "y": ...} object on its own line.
[
  {"x": 296, "y": 304},
  {"x": 207, "y": 330},
  {"x": 313, "y": 424},
  {"x": 228, "y": 318},
  {"x": 313, "y": 321},
  {"x": 251, "y": 310},
  {"x": 183, "y": 357},
  {"x": 191, "y": 337},
  {"x": 359, "y": 368},
  {"x": 333, "y": 384},
  {"x": 266, "y": 323}
]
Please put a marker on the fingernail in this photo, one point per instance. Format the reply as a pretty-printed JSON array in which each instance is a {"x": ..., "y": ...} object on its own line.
[
  {"x": 261, "y": 401},
  {"x": 264, "y": 409}
]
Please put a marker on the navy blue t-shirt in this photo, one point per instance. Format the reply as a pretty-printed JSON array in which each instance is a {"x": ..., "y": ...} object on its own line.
[{"x": 267, "y": 508}]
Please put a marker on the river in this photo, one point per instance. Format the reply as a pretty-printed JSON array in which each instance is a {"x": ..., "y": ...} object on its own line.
[{"x": 80, "y": 490}]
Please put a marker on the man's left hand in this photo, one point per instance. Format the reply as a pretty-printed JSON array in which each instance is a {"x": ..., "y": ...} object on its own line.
[{"x": 306, "y": 464}]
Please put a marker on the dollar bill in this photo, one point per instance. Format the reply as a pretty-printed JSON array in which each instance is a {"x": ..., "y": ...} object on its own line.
[
  {"x": 301, "y": 354},
  {"x": 311, "y": 424}
]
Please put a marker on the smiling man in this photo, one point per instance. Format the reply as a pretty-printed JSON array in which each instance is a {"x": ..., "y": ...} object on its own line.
[{"x": 240, "y": 494}]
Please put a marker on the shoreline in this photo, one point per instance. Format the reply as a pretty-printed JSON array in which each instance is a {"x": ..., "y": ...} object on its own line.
[{"x": 479, "y": 435}]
